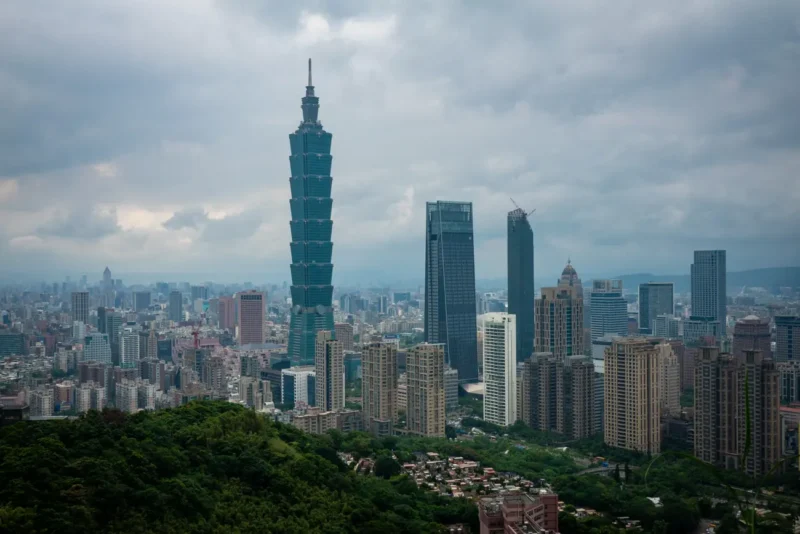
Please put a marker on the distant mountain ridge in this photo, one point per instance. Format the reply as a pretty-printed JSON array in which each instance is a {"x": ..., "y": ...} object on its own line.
[{"x": 768, "y": 278}]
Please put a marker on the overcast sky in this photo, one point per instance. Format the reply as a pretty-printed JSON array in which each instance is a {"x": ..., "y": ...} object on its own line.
[{"x": 152, "y": 136}]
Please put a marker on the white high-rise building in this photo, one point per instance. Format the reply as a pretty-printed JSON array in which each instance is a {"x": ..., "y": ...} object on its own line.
[
  {"x": 41, "y": 402},
  {"x": 82, "y": 397},
  {"x": 78, "y": 330},
  {"x": 129, "y": 346},
  {"x": 127, "y": 396},
  {"x": 499, "y": 368}
]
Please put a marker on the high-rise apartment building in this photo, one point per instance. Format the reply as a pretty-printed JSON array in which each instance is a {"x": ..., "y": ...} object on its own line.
[
  {"x": 540, "y": 391},
  {"x": 608, "y": 309},
  {"x": 226, "y": 313},
  {"x": 425, "y": 412},
  {"x": 129, "y": 346},
  {"x": 344, "y": 333},
  {"x": 252, "y": 312},
  {"x": 709, "y": 293},
  {"x": 558, "y": 395},
  {"x": 80, "y": 306},
  {"x": 670, "y": 380},
  {"x": 450, "y": 312},
  {"x": 787, "y": 338},
  {"x": 379, "y": 387},
  {"x": 41, "y": 401},
  {"x": 724, "y": 386},
  {"x": 559, "y": 322},
  {"x": 789, "y": 381},
  {"x": 127, "y": 395},
  {"x": 655, "y": 299},
  {"x": 632, "y": 395},
  {"x": 329, "y": 366},
  {"x": 499, "y": 368},
  {"x": 752, "y": 333},
  {"x": 96, "y": 348},
  {"x": 311, "y": 229},
  {"x": 175, "y": 306},
  {"x": 141, "y": 300},
  {"x": 521, "y": 293},
  {"x": 101, "y": 320}
]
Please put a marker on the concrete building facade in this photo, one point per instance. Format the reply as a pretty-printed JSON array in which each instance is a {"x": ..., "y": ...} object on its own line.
[
  {"x": 425, "y": 412},
  {"x": 329, "y": 366},
  {"x": 559, "y": 322},
  {"x": 379, "y": 387},
  {"x": 499, "y": 368}
]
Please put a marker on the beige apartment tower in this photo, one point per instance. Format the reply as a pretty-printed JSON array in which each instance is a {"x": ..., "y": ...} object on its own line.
[
  {"x": 632, "y": 395},
  {"x": 329, "y": 372},
  {"x": 379, "y": 387},
  {"x": 425, "y": 414},
  {"x": 559, "y": 322},
  {"x": 670, "y": 380}
]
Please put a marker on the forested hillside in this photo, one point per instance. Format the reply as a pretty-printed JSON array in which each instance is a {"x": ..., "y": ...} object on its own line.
[{"x": 205, "y": 467}]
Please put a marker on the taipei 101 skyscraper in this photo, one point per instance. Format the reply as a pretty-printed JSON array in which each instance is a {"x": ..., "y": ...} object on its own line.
[{"x": 311, "y": 228}]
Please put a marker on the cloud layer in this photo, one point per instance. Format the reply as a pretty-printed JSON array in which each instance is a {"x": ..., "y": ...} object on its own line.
[{"x": 152, "y": 136}]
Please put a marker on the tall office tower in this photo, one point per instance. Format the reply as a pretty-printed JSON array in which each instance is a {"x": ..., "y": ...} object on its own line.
[
  {"x": 101, "y": 320},
  {"x": 787, "y": 338},
  {"x": 107, "y": 289},
  {"x": 113, "y": 327},
  {"x": 570, "y": 278},
  {"x": 540, "y": 392},
  {"x": 425, "y": 411},
  {"x": 107, "y": 283},
  {"x": 665, "y": 326},
  {"x": 129, "y": 346},
  {"x": 655, "y": 298},
  {"x": 450, "y": 389},
  {"x": 709, "y": 294},
  {"x": 175, "y": 306},
  {"x": 559, "y": 322},
  {"x": 97, "y": 348},
  {"x": 379, "y": 388},
  {"x": 633, "y": 396},
  {"x": 723, "y": 385},
  {"x": 790, "y": 381},
  {"x": 575, "y": 396},
  {"x": 199, "y": 292},
  {"x": 670, "y": 380},
  {"x": 608, "y": 309},
  {"x": 226, "y": 313},
  {"x": 521, "y": 293},
  {"x": 152, "y": 345},
  {"x": 298, "y": 385},
  {"x": 311, "y": 227},
  {"x": 329, "y": 367},
  {"x": 752, "y": 333},
  {"x": 141, "y": 300},
  {"x": 80, "y": 306},
  {"x": 251, "y": 317},
  {"x": 450, "y": 313},
  {"x": 344, "y": 333},
  {"x": 698, "y": 331},
  {"x": 499, "y": 368}
]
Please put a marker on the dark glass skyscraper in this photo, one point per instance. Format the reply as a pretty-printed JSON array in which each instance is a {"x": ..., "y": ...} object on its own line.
[
  {"x": 520, "y": 280},
  {"x": 450, "y": 313},
  {"x": 311, "y": 228},
  {"x": 709, "y": 287}
]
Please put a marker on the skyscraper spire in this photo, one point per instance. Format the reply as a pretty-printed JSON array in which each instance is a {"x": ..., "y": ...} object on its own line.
[
  {"x": 310, "y": 101},
  {"x": 309, "y": 73}
]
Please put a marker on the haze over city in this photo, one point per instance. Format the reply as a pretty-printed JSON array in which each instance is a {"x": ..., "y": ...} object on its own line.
[{"x": 153, "y": 137}]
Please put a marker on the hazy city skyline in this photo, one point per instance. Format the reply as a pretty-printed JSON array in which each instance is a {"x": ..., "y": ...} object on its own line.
[{"x": 166, "y": 151}]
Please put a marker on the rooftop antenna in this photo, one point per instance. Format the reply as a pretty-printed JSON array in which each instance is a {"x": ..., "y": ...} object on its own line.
[
  {"x": 309, "y": 72},
  {"x": 527, "y": 213}
]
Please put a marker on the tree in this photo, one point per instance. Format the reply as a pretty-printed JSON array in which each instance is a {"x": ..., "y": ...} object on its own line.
[
  {"x": 616, "y": 472},
  {"x": 386, "y": 467}
]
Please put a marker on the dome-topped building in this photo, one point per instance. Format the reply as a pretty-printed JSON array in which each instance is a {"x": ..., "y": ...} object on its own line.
[{"x": 569, "y": 277}]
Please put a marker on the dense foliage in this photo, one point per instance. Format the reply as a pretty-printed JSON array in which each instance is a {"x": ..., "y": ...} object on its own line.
[{"x": 205, "y": 467}]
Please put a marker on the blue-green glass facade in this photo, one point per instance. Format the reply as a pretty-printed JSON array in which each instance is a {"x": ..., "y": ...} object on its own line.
[{"x": 311, "y": 227}]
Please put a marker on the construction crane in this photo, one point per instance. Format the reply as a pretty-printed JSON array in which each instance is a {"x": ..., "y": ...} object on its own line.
[{"x": 527, "y": 213}]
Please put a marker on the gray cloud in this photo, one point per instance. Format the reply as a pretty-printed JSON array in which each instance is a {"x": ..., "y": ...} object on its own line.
[
  {"x": 638, "y": 131},
  {"x": 187, "y": 218},
  {"x": 82, "y": 224}
]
